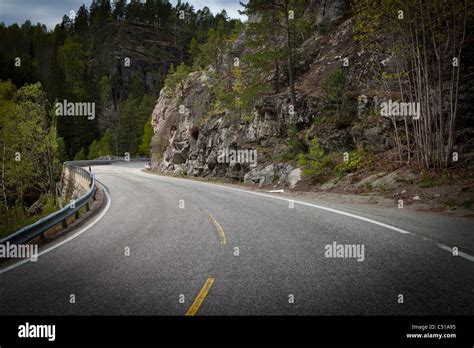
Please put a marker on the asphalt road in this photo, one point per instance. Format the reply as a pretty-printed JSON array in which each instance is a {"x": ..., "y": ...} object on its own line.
[{"x": 183, "y": 258}]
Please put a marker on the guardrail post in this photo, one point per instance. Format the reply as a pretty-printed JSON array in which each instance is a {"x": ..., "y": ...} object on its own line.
[
  {"x": 94, "y": 196},
  {"x": 88, "y": 207},
  {"x": 64, "y": 223},
  {"x": 41, "y": 237}
]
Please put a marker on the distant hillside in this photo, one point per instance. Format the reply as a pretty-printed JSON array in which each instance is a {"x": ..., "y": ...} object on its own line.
[{"x": 115, "y": 56}]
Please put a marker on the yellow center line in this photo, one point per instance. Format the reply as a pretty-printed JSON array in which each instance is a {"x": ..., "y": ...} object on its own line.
[
  {"x": 200, "y": 297},
  {"x": 219, "y": 229}
]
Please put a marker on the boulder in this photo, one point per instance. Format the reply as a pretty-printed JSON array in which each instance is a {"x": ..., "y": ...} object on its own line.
[
  {"x": 369, "y": 180},
  {"x": 260, "y": 176},
  {"x": 294, "y": 177},
  {"x": 393, "y": 179}
]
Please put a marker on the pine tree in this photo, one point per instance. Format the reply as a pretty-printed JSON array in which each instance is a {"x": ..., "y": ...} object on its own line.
[
  {"x": 278, "y": 19},
  {"x": 81, "y": 24}
]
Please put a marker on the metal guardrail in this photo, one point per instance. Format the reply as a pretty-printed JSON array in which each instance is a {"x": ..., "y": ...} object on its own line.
[
  {"x": 108, "y": 160},
  {"x": 36, "y": 229}
]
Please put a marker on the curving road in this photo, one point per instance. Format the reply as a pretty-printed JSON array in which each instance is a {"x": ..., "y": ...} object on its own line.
[{"x": 182, "y": 236}]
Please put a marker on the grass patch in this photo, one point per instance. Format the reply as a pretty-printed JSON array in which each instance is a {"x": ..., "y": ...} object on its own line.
[{"x": 428, "y": 179}]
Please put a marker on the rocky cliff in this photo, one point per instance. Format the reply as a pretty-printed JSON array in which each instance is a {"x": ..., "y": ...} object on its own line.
[
  {"x": 123, "y": 49},
  {"x": 189, "y": 138}
]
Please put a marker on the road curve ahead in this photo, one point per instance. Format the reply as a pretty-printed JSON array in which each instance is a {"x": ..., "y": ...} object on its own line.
[{"x": 169, "y": 246}]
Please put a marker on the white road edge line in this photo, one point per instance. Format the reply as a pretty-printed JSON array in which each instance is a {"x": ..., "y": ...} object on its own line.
[
  {"x": 302, "y": 203},
  {"x": 460, "y": 253},
  {"x": 77, "y": 234}
]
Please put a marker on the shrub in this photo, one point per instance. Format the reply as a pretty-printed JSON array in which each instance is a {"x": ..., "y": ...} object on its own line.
[
  {"x": 177, "y": 78},
  {"x": 315, "y": 163},
  {"x": 336, "y": 101},
  {"x": 353, "y": 163},
  {"x": 295, "y": 145}
]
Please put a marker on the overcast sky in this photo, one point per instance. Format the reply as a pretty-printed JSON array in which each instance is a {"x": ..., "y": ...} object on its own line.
[{"x": 51, "y": 12}]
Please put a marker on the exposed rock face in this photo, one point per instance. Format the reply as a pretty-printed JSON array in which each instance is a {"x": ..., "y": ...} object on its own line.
[
  {"x": 388, "y": 180},
  {"x": 188, "y": 141},
  {"x": 283, "y": 174},
  {"x": 189, "y": 138},
  {"x": 73, "y": 185},
  {"x": 325, "y": 11},
  {"x": 147, "y": 49},
  {"x": 124, "y": 50},
  {"x": 174, "y": 118}
]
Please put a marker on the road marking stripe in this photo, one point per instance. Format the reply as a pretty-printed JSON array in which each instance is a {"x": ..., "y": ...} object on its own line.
[
  {"x": 81, "y": 231},
  {"x": 393, "y": 228},
  {"x": 200, "y": 297},
  {"x": 460, "y": 253},
  {"x": 219, "y": 229}
]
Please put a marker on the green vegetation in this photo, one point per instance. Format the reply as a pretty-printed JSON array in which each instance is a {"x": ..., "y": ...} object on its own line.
[
  {"x": 30, "y": 150},
  {"x": 277, "y": 19},
  {"x": 319, "y": 165},
  {"x": 101, "y": 148},
  {"x": 338, "y": 110},
  {"x": 16, "y": 217},
  {"x": 355, "y": 160},
  {"x": 349, "y": 166},
  {"x": 336, "y": 103},
  {"x": 177, "y": 78},
  {"x": 425, "y": 48},
  {"x": 80, "y": 155},
  {"x": 241, "y": 81},
  {"x": 433, "y": 179},
  {"x": 144, "y": 148},
  {"x": 70, "y": 63},
  {"x": 132, "y": 119},
  {"x": 74, "y": 63},
  {"x": 467, "y": 204},
  {"x": 295, "y": 146},
  {"x": 316, "y": 164}
]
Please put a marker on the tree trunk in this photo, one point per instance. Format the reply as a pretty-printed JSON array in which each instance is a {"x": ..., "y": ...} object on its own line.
[
  {"x": 290, "y": 55},
  {"x": 3, "y": 178},
  {"x": 277, "y": 76}
]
